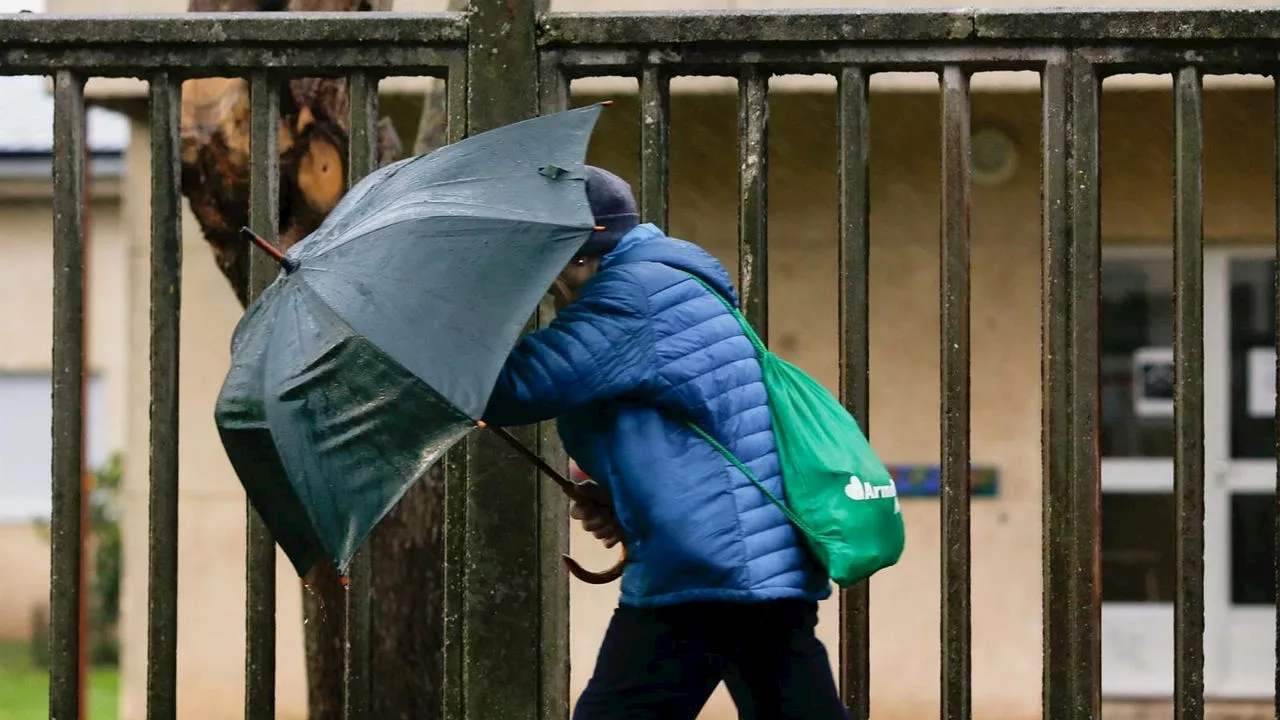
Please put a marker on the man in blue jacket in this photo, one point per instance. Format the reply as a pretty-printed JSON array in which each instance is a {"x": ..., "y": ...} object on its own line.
[{"x": 718, "y": 585}]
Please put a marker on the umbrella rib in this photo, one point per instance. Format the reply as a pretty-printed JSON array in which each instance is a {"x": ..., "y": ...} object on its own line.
[{"x": 476, "y": 337}]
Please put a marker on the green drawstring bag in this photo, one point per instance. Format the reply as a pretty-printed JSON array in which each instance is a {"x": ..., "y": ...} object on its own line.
[{"x": 839, "y": 495}]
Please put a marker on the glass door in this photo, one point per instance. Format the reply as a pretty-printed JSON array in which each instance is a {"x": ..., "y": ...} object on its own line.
[
  {"x": 1138, "y": 526},
  {"x": 1240, "y": 502},
  {"x": 1138, "y": 520}
]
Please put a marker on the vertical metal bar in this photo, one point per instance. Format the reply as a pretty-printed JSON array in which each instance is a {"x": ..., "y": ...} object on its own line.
[
  {"x": 1069, "y": 365},
  {"x": 362, "y": 156},
  {"x": 853, "y": 117},
  {"x": 455, "y": 474},
  {"x": 753, "y": 171},
  {"x": 166, "y": 295},
  {"x": 1084, "y": 632},
  {"x": 1275, "y": 119},
  {"x": 553, "y": 510},
  {"x": 956, "y": 656},
  {"x": 68, "y": 396},
  {"x": 553, "y": 86},
  {"x": 655, "y": 144},
  {"x": 502, "y": 667},
  {"x": 1188, "y": 420},
  {"x": 260, "y": 552},
  {"x": 86, "y": 485},
  {"x": 455, "y": 561},
  {"x": 1055, "y": 369},
  {"x": 456, "y": 99}
]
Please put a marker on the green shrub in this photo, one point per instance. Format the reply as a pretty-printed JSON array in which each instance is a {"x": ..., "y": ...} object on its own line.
[
  {"x": 104, "y": 559},
  {"x": 104, "y": 528},
  {"x": 39, "y": 643}
]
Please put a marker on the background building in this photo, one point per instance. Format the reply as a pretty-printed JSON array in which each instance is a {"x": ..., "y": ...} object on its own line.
[
  {"x": 1138, "y": 519},
  {"x": 26, "y": 296}
]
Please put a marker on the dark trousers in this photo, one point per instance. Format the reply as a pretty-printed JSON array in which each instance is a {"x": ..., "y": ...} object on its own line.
[{"x": 663, "y": 663}]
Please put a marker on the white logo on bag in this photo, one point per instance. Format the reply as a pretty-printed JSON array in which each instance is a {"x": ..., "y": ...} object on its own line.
[{"x": 859, "y": 490}]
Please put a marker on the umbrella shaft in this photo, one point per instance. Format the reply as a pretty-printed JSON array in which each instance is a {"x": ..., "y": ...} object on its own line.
[{"x": 565, "y": 484}]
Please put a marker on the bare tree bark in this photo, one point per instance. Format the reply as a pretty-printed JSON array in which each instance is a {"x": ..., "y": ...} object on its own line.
[{"x": 407, "y": 547}]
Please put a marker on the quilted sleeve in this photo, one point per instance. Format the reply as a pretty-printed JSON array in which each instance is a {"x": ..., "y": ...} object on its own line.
[{"x": 597, "y": 348}]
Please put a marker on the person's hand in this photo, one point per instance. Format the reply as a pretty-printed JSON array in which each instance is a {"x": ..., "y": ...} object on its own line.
[{"x": 598, "y": 519}]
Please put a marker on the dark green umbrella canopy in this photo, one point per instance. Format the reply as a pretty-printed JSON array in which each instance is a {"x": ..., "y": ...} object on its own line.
[{"x": 376, "y": 348}]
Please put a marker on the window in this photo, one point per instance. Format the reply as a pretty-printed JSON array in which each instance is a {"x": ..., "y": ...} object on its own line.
[{"x": 26, "y": 443}]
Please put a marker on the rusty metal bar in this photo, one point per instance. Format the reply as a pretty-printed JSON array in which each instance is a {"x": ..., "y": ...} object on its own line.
[
  {"x": 853, "y": 118},
  {"x": 1188, "y": 416},
  {"x": 260, "y": 550},
  {"x": 362, "y": 158},
  {"x": 166, "y": 295},
  {"x": 66, "y": 562},
  {"x": 956, "y": 635},
  {"x": 1055, "y": 366},
  {"x": 753, "y": 188},
  {"x": 655, "y": 144},
  {"x": 1084, "y": 631}
]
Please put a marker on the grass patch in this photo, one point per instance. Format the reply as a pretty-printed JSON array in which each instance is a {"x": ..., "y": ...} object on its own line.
[{"x": 24, "y": 689}]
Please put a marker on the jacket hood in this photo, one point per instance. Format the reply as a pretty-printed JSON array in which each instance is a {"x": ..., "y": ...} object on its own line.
[{"x": 646, "y": 243}]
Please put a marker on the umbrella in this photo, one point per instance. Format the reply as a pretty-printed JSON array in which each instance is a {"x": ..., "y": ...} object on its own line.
[{"x": 377, "y": 346}]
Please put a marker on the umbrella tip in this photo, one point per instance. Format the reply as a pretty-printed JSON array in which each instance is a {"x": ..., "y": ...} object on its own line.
[
  {"x": 598, "y": 228},
  {"x": 606, "y": 103},
  {"x": 344, "y": 580},
  {"x": 270, "y": 249},
  {"x": 481, "y": 424}
]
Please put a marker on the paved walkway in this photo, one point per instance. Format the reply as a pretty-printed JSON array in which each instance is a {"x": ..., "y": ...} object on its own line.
[{"x": 1114, "y": 710}]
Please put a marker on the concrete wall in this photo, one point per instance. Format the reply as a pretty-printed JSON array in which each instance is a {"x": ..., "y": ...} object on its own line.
[
  {"x": 904, "y": 336},
  {"x": 26, "y": 338}
]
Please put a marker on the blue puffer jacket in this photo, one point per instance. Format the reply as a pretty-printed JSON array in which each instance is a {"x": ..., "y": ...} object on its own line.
[{"x": 644, "y": 346}]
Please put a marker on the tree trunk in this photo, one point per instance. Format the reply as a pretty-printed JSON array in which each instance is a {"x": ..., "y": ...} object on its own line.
[
  {"x": 407, "y": 547},
  {"x": 313, "y": 148}
]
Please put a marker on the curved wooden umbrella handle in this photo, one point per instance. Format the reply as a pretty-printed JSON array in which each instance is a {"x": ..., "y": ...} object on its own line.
[
  {"x": 596, "y": 578},
  {"x": 574, "y": 492}
]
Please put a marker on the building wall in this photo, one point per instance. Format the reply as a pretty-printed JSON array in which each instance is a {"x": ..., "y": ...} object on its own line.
[
  {"x": 25, "y": 551},
  {"x": 1137, "y": 182},
  {"x": 26, "y": 339},
  {"x": 211, "y": 503}
]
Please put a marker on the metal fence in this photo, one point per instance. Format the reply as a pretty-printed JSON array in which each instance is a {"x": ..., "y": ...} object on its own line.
[{"x": 503, "y": 62}]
